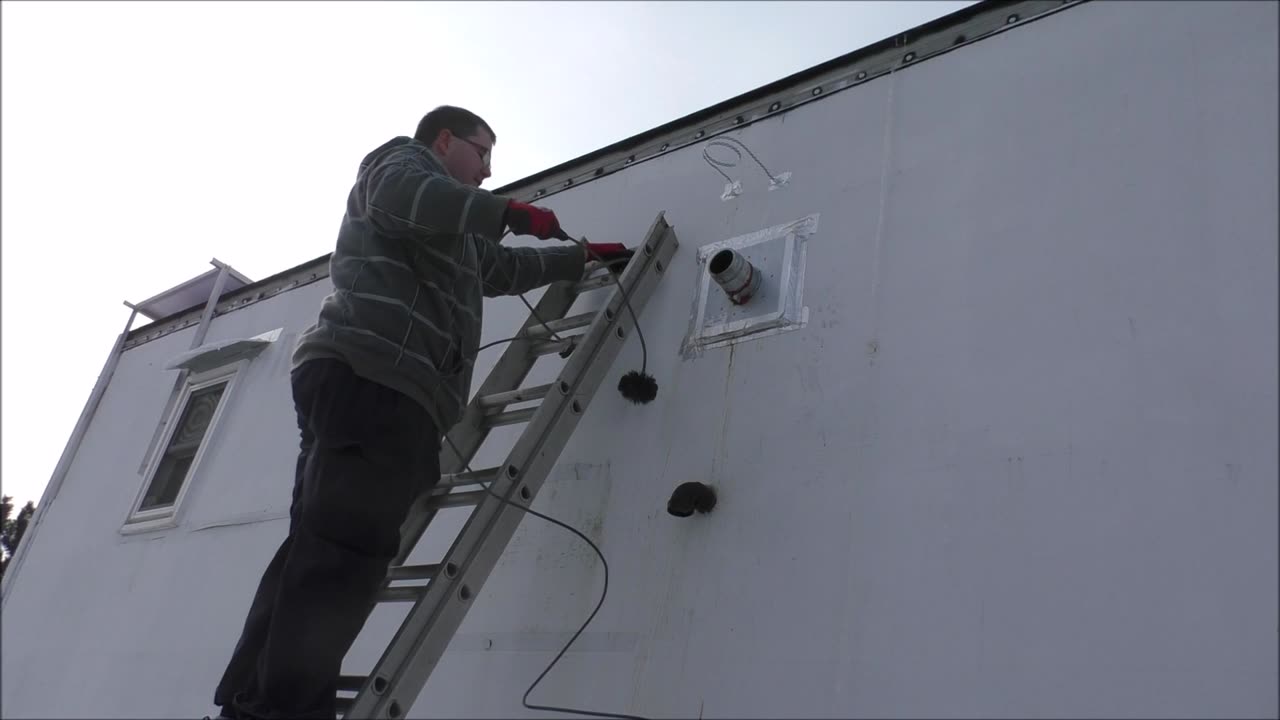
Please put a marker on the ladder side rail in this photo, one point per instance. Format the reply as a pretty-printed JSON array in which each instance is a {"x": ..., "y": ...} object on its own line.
[
  {"x": 406, "y": 664},
  {"x": 470, "y": 431}
]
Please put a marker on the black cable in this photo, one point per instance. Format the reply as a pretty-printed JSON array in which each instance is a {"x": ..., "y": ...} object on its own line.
[
  {"x": 553, "y": 334},
  {"x": 486, "y": 346},
  {"x": 626, "y": 299},
  {"x": 636, "y": 385},
  {"x": 603, "y": 562},
  {"x": 717, "y": 164},
  {"x": 603, "y": 594}
]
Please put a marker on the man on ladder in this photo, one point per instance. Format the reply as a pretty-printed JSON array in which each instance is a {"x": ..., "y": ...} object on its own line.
[{"x": 377, "y": 380}]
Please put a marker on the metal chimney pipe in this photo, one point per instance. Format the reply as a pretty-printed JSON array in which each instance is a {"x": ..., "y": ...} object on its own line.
[{"x": 735, "y": 275}]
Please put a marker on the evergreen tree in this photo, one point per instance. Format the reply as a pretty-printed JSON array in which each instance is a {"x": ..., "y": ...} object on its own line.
[{"x": 11, "y": 529}]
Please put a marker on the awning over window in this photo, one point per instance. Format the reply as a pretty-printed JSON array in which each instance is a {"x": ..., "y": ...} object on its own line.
[{"x": 222, "y": 353}]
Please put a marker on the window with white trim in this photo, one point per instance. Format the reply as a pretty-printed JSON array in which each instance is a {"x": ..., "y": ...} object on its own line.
[
  {"x": 186, "y": 437},
  {"x": 211, "y": 374}
]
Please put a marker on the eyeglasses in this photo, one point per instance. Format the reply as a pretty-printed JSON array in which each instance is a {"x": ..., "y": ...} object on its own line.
[{"x": 485, "y": 153}]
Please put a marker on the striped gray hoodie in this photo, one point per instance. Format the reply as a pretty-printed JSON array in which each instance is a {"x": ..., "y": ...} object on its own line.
[{"x": 417, "y": 252}]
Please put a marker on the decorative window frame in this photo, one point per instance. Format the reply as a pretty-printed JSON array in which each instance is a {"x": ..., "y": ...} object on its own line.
[{"x": 206, "y": 366}]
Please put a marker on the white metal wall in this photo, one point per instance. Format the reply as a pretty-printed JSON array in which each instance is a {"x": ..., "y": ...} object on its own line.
[
  {"x": 105, "y": 625},
  {"x": 1021, "y": 463}
]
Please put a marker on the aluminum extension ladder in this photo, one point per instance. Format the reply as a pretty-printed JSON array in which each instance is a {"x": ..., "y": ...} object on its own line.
[{"x": 440, "y": 604}]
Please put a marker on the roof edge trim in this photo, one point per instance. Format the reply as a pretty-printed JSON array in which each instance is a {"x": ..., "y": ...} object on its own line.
[{"x": 911, "y": 47}]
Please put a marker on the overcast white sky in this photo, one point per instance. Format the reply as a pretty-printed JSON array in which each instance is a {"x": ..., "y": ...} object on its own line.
[{"x": 142, "y": 139}]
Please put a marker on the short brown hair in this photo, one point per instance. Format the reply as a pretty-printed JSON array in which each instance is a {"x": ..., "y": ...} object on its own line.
[{"x": 454, "y": 119}]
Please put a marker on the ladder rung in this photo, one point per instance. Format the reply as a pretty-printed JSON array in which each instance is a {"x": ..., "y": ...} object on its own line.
[
  {"x": 401, "y": 594},
  {"x": 351, "y": 683},
  {"x": 498, "y": 400},
  {"x": 458, "y": 499},
  {"x": 554, "y": 346},
  {"x": 510, "y": 418},
  {"x": 433, "y": 620},
  {"x": 454, "y": 480},
  {"x": 554, "y": 326},
  {"x": 413, "y": 572},
  {"x": 593, "y": 283}
]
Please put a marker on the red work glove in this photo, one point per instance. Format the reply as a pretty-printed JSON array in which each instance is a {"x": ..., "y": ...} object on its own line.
[
  {"x": 615, "y": 255},
  {"x": 524, "y": 219}
]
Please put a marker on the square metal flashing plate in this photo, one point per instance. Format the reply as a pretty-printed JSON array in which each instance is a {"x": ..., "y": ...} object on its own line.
[{"x": 778, "y": 253}]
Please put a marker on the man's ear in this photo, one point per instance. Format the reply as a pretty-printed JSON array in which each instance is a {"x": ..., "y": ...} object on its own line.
[{"x": 441, "y": 143}]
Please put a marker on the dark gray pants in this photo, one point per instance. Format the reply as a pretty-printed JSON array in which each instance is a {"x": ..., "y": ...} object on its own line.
[{"x": 366, "y": 453}]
